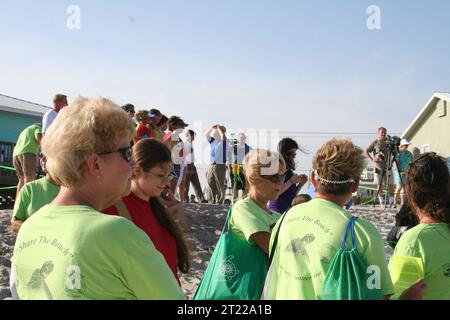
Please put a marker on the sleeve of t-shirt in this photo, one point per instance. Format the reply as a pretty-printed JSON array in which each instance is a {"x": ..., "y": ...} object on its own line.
[
  {"x": 146, "y": 272},
  {"x": 406, "y": 265},
  {"x": 375, "y": 255},
  {"x": 21, "y": 204},
  {"x": 248, "y": 222}
]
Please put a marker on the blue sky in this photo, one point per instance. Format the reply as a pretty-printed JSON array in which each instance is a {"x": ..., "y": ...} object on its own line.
[{"x": 289, "y": 65}]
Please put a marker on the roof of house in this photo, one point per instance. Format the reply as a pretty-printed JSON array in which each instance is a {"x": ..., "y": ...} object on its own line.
[
  {"x": 14, "y": 105},
  {"x": 436, "y": 96}
]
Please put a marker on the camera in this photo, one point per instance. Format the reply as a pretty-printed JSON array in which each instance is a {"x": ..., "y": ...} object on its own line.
[{"x": 394, "y": 145}]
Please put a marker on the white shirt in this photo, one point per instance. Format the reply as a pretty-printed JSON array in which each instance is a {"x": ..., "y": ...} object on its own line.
[
  {"x": 48, "y": 119},
  {"x": 189, "y": 153}
]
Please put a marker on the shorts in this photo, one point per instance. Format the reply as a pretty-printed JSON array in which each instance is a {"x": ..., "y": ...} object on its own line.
[
  {"x": 378, "y": 172},
  {"x": 399, "y": 179},
  {"x": 25, "y": 165}
]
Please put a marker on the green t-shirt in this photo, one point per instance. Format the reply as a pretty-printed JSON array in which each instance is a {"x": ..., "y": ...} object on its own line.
[
  {"x": 309, "y": 238},
  {"x": 423, "y": 252},
  {"x": 27, "y": 143},
  {"x": 247, "y": 218},
  {"x": 75, "y": 252},
  {"x": 33, "y": 196}
]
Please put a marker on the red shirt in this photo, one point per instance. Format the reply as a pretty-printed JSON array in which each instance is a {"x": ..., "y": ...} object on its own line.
[
  {"x": 143, "y": 217},
  {"x": 142, "y": 132}
]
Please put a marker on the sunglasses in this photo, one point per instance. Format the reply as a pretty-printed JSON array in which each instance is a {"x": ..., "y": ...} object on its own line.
[
  {"x": 125, "y": 152},
  {"x": 275, "y": 178}
]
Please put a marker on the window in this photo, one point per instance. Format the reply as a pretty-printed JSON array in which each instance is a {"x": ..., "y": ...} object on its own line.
[{"x": 426, "y": 148}]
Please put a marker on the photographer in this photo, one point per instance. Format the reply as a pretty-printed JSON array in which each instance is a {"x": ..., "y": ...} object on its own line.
[
  {"x": 220, "y": 156},
  {"x": 380, "y": 149}
]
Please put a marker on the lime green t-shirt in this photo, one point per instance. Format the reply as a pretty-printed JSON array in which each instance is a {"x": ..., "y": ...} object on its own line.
[
  {"x": 33, "y": 196},
  {"x": 247, "y": 218},
  {"x": 423, "y": 252},
  {"x": 27, "y": 143},
  {"x": 75, "y": 252},
  {"x": 309, "y": 238}
]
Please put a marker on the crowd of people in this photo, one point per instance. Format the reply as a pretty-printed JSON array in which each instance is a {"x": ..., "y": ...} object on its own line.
[{"x": 104, "y": 221}]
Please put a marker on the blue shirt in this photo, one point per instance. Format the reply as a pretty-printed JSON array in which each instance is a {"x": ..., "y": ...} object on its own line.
[{"x": 218, "y": 151}]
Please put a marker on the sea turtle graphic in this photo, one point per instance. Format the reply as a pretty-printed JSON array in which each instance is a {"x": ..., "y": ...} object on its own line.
[
  {"x": 298, "y": 245},
  {"x": 37, "y": 280},
  {"x": 227, "y": 268}
]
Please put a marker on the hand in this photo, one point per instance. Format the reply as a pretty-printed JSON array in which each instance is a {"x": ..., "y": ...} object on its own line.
[
  {"x": 415, "y": 292},
  {"x": 377, "y": 159},
  {"x": 302, "y": 179}
]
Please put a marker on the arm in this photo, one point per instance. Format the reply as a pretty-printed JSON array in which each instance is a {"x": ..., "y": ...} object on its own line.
[
  {"x": 38, "y": 137},
  {"x": 221, "y": 133},
  {"x": 209, "y": 131},
  {"x": 15, "y": 225},
  {"x": 286, "y": 186},
  {"x": 262, "y": 239},
  {"x": 367, "y": 153},
  {"x": 295, "y": 179},
  {"x": 20, "y": 210},
  {"x": 368, "y": 150}
]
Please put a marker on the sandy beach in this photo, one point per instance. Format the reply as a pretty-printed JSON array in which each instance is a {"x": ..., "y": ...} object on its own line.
[{"x": 205, "y": 220}]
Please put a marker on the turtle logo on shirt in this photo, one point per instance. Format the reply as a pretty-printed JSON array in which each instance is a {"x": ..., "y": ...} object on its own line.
[
  {"x": 298, "y": 245},
  {"x": 227, "y": 268},
  {"x": 447, "y": 270},
  {"x": 37, "y": 280}
]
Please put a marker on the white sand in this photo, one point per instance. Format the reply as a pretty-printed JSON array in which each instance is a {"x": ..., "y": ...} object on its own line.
[{"x": 205, "y": 219}]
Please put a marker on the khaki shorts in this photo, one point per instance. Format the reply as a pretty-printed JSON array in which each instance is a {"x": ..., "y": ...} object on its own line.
[
  {"x": 25, "y": 165},
  {"x": 377, "y": 177}
]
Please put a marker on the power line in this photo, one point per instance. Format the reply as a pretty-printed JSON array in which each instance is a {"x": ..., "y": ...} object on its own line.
[{"x": 330, "y": 133}]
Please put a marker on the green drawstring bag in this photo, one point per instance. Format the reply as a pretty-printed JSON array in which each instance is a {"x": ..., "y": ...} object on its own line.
[
  {"x": 347, "y": 277},
  {"x": 236, "y": 271}
]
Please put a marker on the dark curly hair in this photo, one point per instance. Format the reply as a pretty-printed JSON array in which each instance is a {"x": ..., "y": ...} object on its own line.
[{"x": 428, "y": 187}]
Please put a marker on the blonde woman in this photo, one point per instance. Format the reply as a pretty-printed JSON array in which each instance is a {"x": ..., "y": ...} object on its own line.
[
  {"x": 251, "y": 218},
  {"x": 69, "y": 249}
]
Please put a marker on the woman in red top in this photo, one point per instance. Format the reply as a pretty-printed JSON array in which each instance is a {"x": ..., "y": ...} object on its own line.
[
  {"x": 143, "y": 130},
  {"x": 150, "y": 176}
]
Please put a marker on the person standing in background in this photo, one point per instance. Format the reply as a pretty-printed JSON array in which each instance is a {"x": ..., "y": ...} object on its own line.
[
  {"x": 191, "y": 169},
  {"x": 288, "y": 147},
  {"x": 59, "y": 102},
  {"x": 220, "y": 156},
  {"x": 25, "y": 154}
]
